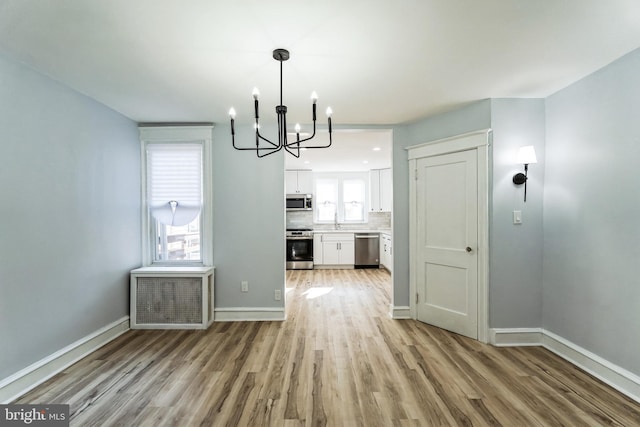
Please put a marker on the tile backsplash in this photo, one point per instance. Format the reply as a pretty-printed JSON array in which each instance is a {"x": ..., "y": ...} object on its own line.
[
  {"x": 378, "y": 220},
  {"x": 304, "y": 219},
  {"x": 299, "y": 219}
]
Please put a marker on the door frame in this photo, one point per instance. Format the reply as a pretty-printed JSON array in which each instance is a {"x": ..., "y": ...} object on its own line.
[{"x": 479, "y": 141}]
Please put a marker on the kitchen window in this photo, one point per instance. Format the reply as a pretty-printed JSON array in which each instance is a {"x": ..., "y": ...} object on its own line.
[
  {"x": 326, "y": 199},
  {"x": 353, "y": 199},
  {"x": 341, "y": 197},
  {"x": 176, "y": 211}
]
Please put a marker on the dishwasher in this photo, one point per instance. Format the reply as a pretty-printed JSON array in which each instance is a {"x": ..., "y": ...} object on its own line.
[{"x": 367, "y": 250}]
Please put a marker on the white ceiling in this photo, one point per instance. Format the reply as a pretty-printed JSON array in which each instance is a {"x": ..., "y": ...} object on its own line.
[
  {"x": 373, "y": 62},
  {"x": 356, "y": 150}
]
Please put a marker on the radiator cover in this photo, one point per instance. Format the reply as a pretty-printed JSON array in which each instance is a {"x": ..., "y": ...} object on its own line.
[{"x": 171, "y": 298}]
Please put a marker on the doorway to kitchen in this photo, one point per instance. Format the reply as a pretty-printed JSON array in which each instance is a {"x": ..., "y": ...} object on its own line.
[{"x": 337, "y": 195}]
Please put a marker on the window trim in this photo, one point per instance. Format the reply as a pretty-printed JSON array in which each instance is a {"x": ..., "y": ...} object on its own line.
[{"x": 176, "y": 135}]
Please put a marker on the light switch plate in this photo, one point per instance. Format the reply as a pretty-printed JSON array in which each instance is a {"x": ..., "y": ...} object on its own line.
[{"x": 517, "y": 217}]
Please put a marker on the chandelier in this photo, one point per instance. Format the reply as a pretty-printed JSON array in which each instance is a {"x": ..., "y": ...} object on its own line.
[{"x": 263, "y": 146}]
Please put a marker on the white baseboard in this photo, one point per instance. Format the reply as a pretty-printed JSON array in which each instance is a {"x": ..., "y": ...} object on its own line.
[
  {"x": 515, "y": 337},
  {"x": 400, "y": 312},
  {"x": 619, "y": 378},
  {"x": 249, "y": 314},
  {"x": 35, "y": 374}
]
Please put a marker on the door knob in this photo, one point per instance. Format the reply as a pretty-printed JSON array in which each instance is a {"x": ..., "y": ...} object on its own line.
[{"x": 469, "y": 249}]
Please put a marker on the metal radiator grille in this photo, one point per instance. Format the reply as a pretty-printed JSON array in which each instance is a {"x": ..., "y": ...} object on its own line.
[{"x": 161, "y": 300}]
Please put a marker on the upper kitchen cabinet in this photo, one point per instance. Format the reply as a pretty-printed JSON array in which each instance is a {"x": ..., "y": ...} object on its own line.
[
  {"x": 381, "y": 190},
  {"x": 298, "y": 182}
]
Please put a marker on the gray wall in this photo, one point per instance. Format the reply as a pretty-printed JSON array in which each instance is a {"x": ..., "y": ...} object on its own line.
[
  {"x": 515, "y": 267},
  {"x": 591, "y": 290},
  {"x": 248, "y": 223},
  {"x": 515, "y": 283},
  {"x": 69, "y": 210},
  {"x": 475, "y": 116}
]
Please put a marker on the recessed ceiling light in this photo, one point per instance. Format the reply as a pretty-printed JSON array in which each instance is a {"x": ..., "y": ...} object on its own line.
[
  {"x": 306, "y": 162},
  {"x": 377, "y": 148},
  {"x": 365, "y": 161}
]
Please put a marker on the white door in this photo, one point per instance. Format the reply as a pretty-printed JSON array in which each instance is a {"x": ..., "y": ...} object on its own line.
[{"x": 447, "y": 242}]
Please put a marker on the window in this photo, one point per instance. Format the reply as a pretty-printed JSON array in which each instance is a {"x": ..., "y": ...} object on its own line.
[
  {"x": 341, "y": 197},
  {"x": 174, "y": 199},
  {"x": 326, "y": 200},
  {"x": 175, "y": 209},
  {"x": 353, "y": 191}
]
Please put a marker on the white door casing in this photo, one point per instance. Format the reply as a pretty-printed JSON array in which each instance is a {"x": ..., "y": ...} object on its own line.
[
  {"x": 447, "y": 241},
  {"x": 438, "y": 249}
]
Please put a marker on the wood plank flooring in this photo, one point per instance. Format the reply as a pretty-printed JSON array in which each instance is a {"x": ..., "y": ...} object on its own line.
[{"x": 338, "y": 360}]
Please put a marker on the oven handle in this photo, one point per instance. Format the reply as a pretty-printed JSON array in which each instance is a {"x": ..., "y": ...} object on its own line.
[{"x": 299, "y": 238}]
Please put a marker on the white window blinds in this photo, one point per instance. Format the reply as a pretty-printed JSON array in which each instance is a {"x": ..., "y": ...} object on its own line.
[
  {"x": 353, "y": 196},
  {"x": 174, "y": 182}
]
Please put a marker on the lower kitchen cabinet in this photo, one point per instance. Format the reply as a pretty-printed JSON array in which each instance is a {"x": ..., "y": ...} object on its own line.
[
  {"x": 318, "y": 259},
  {"x": 334, "y": 249},
  {"x": 386, "y": 251}
]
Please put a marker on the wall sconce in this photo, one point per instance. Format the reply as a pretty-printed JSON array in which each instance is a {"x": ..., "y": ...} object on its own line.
[{"x": 526, "y": 155}]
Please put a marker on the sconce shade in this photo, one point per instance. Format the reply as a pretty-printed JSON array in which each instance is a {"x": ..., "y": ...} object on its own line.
[{"x": 526, "y": 155}]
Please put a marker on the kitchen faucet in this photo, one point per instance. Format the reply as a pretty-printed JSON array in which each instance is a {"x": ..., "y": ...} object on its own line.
[{"x": 335, "y": 221}]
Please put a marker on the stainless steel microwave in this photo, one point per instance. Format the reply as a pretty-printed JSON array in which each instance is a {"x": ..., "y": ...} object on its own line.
[{"x": 299, "y": 202}]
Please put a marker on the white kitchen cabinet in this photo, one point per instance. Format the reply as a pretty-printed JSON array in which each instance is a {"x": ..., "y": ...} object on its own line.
[
  {"x": 386, "y": 251},
  {"x": 318, "y": 259},
  {"x": 381, "y": 190},
  {"x": 337, "y": 249},
  {"x": 386, "y": 190},
  {"x": 298, "y": 182},
  {"x": 374, "y": 190}
]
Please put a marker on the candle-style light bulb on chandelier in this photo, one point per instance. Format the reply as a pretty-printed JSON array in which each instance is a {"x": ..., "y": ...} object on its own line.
[{"x": 263, "y": 146}]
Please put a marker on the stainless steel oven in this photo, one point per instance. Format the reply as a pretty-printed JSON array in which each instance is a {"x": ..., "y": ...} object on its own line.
[{"x": 299, "y": 249}]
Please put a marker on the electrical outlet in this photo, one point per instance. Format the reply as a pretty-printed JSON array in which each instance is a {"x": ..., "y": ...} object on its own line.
[
  {"x": 245, "y": 286},
  {"x": 277, "y": 295}
]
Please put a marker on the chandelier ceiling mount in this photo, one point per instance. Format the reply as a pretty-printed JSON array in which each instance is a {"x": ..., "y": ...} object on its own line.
[{"x": 263, "y": 146}]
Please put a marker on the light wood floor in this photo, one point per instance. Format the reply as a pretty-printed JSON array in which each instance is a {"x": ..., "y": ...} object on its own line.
[{"x": 337, "y": 360}]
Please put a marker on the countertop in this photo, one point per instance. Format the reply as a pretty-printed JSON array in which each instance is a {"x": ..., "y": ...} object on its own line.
[{"x": 356, "y": 230}]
